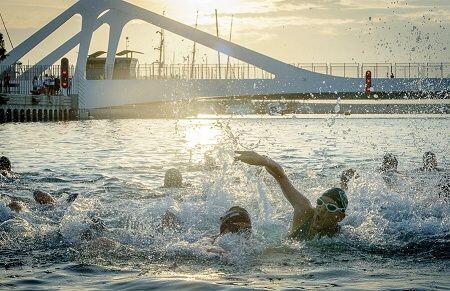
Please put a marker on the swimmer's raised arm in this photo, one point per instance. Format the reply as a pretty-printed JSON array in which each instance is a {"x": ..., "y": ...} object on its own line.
[{"x": 300, "y": 203}]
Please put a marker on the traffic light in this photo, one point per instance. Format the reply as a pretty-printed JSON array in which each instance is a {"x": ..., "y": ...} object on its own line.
[
  {"x": 65, "y": 73},
  {"x": 368, "y": 87}
]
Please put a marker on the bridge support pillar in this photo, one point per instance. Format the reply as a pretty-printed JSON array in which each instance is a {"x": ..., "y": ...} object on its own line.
[
  {"x": 115, "y": 31},
  {"x": 116, "y": 21},
  {"x": 87, "y": 30}
]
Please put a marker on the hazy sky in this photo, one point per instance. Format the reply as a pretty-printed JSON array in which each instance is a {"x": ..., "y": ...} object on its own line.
[{"x": 290, "y": 30}]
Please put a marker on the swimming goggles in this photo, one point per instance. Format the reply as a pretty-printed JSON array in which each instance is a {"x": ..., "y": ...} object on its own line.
[{"x": 330, "y": 207}]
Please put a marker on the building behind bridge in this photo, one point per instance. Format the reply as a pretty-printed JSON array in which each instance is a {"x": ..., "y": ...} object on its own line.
[{"x": 125, "y": 66}]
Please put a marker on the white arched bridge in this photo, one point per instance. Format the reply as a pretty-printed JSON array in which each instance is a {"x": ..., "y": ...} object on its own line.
[{"x": 288, "y": 79}]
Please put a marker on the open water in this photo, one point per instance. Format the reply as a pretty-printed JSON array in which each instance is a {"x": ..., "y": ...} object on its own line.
[{"x": 395, "y": 236}]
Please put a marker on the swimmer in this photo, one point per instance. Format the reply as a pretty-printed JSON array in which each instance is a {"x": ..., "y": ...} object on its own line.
[
  {"x": 173, "y": 179},
  {"x": 308, "y": 221},
  {"x": 44, "y": 198},
  {"x": 390, "y": 164},
  {"x": 5, "y": 166},
  {"x": 429, "y": 162},
  {"x": 236, "y": 221},
  {"x": 40, "y": 197},
  {"x": 346, "y": 176},
  {"x": 17, "y": 206}
]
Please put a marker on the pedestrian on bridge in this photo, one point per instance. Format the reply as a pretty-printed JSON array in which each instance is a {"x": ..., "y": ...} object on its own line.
[{"x": 7, "y": 83}]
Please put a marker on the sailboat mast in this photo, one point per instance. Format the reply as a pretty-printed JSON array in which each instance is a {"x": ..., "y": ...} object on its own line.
[
  {"x": 194, "y": 49},
  {"x": 161, "y": 51},
  {"x": 218, "y": 53},
  {"x": 228, "y": 58}
]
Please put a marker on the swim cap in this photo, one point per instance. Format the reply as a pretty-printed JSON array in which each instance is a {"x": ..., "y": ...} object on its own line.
[
  {"x": 237, "y": 217},
  {"x": 5, "y": 164},
  {"x": 339, "y": 197}
]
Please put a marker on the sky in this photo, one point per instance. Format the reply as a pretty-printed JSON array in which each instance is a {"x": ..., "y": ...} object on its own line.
[{"x": 294, "y": 31}]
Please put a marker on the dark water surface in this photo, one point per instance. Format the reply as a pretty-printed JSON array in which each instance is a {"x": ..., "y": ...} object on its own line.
[{"x": 396, "y": 235}]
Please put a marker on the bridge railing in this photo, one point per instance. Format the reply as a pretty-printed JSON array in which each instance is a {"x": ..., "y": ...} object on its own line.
[
  {"x": 21, "y": 76},
  {"x": 380, "y": 70},
  {"x": 245, "y": 71},
  {"x": 23, "y": 79},
  {"x": 194, "y": 72}
]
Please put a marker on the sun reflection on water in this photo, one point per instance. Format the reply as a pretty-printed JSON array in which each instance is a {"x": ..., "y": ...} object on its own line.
[{"x": 201, "y": 136}]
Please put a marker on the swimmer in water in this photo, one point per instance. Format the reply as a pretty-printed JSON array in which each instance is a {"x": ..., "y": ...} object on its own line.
[
  {"x": 17, "y": 206},
  {"x": 42, "y": 198},
  {"x": 308, "y": 221},
  {"x": 5, "y": 166},
  {"x": 346, "y": 177},
  {"x": 429, "y": 162},
  {"x": 173, "y": 179},
  {"x": 236, "y": 221},
  {"x": 390, "y": 164}
]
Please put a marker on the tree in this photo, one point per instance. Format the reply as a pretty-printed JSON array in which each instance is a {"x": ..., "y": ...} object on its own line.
[{"x": 2, "y": 48}]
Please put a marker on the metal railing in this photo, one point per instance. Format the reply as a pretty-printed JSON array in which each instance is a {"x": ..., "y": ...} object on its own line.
[
  {"x": 245, "y": 71},
  {"x": 380, "y": 70},
  {"x": 23, "y": 79},
  {"x": 182, "y": 71},
  {"x": 21, "y": 76}
]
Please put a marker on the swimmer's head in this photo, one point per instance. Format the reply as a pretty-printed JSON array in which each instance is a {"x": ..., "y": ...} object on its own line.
[
  {"x": 429, "y": 161},
  {"x": 16, "y": 206},
  {"x": 390, "y": 163},
  {"x": 330, "y": 210},
  {"x": 43, "y": 198},
  {"x": 173, "y": 178},
  {"x": 5, "y": 164},
  {"x": 236, "y": 220}
]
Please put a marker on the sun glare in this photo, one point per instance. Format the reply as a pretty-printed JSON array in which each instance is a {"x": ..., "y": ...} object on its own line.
[{"x": 201, "y": 135}]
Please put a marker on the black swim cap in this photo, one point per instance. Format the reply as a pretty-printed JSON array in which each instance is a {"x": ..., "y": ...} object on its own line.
[
  {"x": 339, "y": 197},
  {"x": 5, "y": 164},
  {"x": 236, "y": 216}
]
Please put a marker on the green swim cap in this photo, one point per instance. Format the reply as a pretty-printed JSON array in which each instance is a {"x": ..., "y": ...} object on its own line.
[{"x": 339, "y": 197}]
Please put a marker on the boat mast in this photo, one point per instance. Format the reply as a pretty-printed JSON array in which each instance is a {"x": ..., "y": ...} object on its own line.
[
  {"x": 228, "y": 58},
  {"x": 161, "y": 51},
  {"x": 218, "y": 53},
  {"x": 194, "y": 49}
]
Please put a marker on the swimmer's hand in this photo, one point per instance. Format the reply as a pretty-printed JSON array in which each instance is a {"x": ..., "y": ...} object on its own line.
[{"x": 255, "y": 159}]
